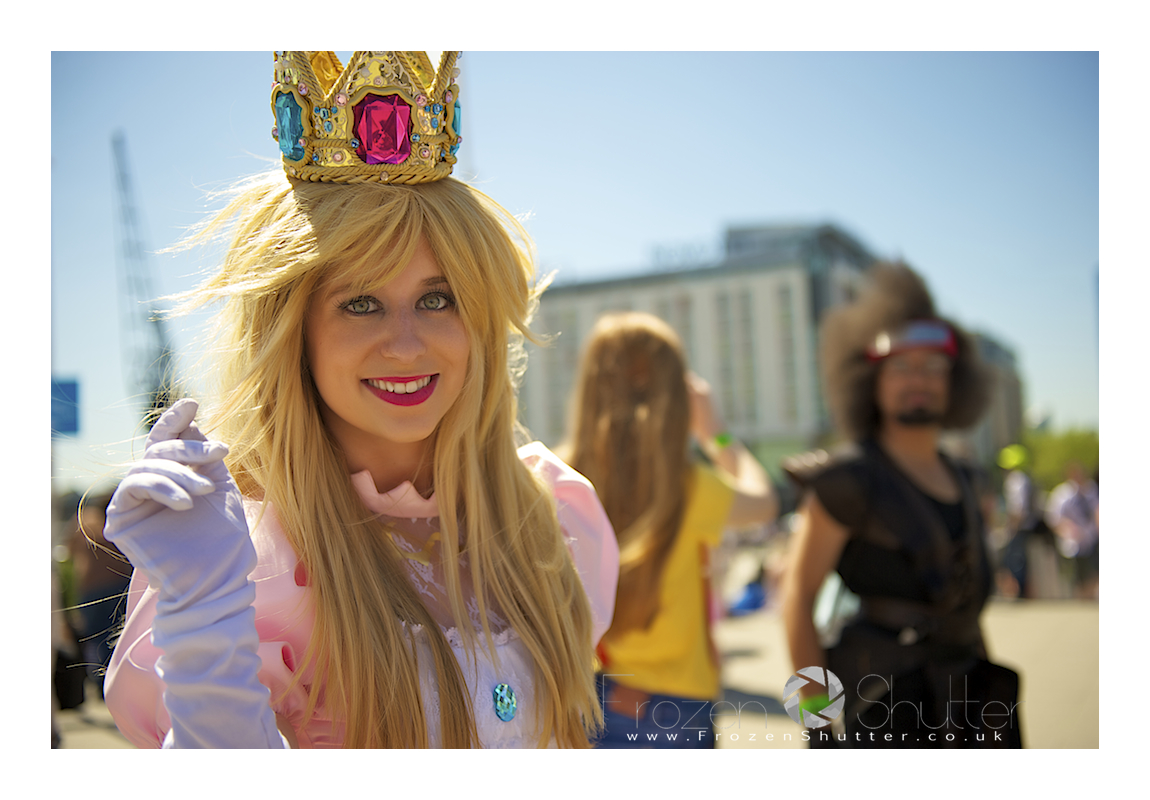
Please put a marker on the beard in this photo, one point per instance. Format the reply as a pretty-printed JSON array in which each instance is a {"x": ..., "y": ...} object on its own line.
[{"x": 919, "y": 416}]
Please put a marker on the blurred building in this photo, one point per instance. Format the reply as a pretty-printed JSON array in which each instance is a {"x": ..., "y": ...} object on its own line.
[
  {"x": 749, "y": 320},
  {"x": 1002, "y": 423}
]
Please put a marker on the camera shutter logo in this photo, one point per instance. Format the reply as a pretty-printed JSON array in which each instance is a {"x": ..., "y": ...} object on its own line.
[{"x": 822, "y": 678}]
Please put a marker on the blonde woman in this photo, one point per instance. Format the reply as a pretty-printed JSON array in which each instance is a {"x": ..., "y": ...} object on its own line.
[
  {"x": 635, "y": 408},
  {"x": 369, "y": 561}
]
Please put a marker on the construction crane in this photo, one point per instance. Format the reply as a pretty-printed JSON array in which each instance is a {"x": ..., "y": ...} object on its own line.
[{"x": 148, "y": 356}]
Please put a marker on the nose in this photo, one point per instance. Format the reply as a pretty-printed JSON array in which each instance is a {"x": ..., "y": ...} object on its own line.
[{"x": 401, "y": 340}]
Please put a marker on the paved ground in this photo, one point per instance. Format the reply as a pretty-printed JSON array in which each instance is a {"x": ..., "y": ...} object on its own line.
[
  {"x": 89, "y": 727},
  {"x": 1054, "y": 645}
]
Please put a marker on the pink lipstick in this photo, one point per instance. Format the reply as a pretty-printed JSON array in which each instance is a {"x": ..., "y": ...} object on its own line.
[{"x": 409, "y": 391}]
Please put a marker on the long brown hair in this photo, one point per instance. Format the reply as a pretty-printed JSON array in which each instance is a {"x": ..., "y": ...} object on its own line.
[
  {"x": 630, "y": 420},
  {"x": 287, "y": 238}
]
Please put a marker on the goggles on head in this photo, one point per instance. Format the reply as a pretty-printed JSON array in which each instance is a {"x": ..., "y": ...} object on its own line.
[{"x": 929, "y": 333}]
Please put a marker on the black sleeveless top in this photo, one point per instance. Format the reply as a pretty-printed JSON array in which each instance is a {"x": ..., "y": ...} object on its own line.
[{"x": 904, "y": 543}]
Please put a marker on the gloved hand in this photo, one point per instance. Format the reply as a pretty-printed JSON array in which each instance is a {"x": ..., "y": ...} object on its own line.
[{"x": 179, "y": 518}]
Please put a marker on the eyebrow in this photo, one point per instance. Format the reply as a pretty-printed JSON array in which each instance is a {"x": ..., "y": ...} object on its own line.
[{"x": 344, "y": 288}]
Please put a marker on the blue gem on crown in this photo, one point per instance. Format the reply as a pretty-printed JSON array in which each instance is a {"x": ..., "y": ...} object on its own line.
[
  {"x": 456, "y": 123},
  {"x": 289, "y": 117}
]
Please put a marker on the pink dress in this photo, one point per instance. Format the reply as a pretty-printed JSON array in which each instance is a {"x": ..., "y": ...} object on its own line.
[{"x": 133, "y": 690}]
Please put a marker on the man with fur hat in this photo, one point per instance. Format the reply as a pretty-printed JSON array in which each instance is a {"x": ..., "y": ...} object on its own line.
[{"x": 900, "y": 522}]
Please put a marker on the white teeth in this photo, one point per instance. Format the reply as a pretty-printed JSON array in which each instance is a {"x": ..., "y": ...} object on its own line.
[{"x": 401, "y": 388}]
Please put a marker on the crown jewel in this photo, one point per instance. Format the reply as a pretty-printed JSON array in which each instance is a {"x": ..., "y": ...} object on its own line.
[{"x": 387, "y": 116}]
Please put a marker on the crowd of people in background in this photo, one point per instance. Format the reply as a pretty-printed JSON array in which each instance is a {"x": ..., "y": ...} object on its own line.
[
  {"x": 1048, "y": 540},
  {"x": 89, "y": 581}
]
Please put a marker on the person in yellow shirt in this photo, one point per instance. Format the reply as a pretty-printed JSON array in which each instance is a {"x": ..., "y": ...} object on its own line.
[{"x": 635, "y": 408}]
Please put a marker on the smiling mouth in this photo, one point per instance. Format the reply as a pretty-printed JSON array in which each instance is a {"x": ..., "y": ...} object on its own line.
[
  {"x": 401, "y": 387},
  {"x": 400, "y": 392}
]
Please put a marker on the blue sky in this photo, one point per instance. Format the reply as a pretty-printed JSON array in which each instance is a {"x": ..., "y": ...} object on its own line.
[{"x": 980, "y": 169}]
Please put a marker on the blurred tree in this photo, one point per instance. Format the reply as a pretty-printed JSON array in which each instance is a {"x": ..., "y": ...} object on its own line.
[{"x": 1050, "y": 451}]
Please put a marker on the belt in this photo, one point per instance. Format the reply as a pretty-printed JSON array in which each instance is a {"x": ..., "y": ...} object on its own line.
[{"x": 919, "y": 622}]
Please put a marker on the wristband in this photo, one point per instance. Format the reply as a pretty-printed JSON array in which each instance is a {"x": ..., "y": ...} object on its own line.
[
  {"x": 723, "y": 439},
  {"x": 814, "y": 705}
]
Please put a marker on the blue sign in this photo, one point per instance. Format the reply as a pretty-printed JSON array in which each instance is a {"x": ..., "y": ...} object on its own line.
[{"x": 65, "y": 407}]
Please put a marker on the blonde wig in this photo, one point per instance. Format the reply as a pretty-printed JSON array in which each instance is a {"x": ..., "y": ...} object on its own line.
[
  {"x": 896, "y": 295},
  {"x": 630, "y": 419},
  {"x": 289, "y": 238}
]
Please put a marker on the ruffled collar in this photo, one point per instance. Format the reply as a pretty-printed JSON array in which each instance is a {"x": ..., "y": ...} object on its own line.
[{"x": 402, "y": 501}]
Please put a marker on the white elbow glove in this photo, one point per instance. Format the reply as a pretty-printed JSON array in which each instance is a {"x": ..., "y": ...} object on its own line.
[{"x": 179, "y": 518}]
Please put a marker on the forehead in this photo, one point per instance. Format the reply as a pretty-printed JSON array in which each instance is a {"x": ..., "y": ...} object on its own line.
[
  {"x": 918, "y": 355},
  {"x": 421, "y": 270}
]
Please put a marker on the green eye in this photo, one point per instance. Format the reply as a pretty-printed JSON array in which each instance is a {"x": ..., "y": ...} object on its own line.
[
  {"x": 360, "y": 305},
  {"x": 436, "y": 302}
]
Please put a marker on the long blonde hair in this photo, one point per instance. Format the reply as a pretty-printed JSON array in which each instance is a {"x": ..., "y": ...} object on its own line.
[
  {"x": 630, "y": 420},
  {"x": 287, "y": 238}
]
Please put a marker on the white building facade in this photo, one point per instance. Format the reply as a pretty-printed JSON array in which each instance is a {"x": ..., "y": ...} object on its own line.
[
  {"x": 1001, "y": 424},
  {"x": 749, "y": 324}
]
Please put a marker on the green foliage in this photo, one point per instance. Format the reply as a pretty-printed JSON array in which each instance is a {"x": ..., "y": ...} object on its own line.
[
  {"x": 1051, "y": 451},
  {"x": 66, "y": 575},
  {"x": 770, "y": 453}
]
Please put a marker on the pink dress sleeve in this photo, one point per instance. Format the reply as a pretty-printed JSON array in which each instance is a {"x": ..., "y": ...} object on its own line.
[
  {"x": 589, "y": 534},
  {"x": 133, "y": 691}
]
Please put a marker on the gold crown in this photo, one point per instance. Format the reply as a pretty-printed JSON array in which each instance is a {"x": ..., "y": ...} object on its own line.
[{"x": 387, "y": 116}]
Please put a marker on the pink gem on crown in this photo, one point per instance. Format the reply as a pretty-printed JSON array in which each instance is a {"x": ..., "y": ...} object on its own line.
[{"x": 381, "y": 125}]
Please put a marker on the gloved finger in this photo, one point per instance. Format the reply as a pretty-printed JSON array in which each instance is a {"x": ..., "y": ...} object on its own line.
[
  {"x": 185, "y": 451},
  {"x": 136, "y": 490},
  {"x": 192, "y": 433},
  {"x": 190, "y": 481},
  {"x": 173, "y": 421}
]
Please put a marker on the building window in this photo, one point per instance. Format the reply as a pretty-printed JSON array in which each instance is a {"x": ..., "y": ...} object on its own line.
[
  {"x": 725, "y": 340},
  {"x": 736, "y": 344},
  {"x": 560, "y": 363},
  {"x": 611, "y": 304},
  {"x": 745, "y": 350},
  {"x": 683, "y": 324},
  {"x": 676, "y": 312},
  {"x": 788, "y": 358}
]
